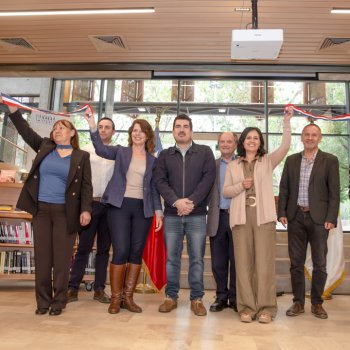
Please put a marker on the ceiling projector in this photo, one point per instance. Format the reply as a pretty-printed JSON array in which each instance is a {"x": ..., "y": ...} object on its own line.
[{"x": 256, "y": 44}]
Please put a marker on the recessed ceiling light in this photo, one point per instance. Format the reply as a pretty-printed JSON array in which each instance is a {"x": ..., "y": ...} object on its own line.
[
  {"x": 339, "y": 10},
  {"x": 75, "y": 12}
]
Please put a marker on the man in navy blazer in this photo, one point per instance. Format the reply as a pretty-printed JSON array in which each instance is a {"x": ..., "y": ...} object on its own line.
[{"x": 309, "y": 203}]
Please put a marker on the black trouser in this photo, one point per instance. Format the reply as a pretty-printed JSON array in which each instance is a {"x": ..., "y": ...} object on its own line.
[
  {"x": 53, "y": 249},
  {"x": 301, "y": 231},
  {"x": 129, "y": 230},
  {"x": 98, "y": 225},
  {"x": 223, "y": 260}
]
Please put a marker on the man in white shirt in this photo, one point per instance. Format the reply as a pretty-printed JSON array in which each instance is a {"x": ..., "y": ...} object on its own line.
[{"x": 102, "y": 170}]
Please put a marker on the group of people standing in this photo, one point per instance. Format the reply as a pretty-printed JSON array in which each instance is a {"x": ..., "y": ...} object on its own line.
[{"x": 231, "y": 200}]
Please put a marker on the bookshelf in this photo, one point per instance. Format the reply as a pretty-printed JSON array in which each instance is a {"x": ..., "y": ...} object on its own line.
[
  {"x": 9, "y": 193},
  {"x": 16, "y": 240}
]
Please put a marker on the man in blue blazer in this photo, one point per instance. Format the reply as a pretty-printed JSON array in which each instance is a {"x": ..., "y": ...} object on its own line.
[{"x": 309, "y": 203}]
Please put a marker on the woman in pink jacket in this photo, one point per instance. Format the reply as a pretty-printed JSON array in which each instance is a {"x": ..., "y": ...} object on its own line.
[{"x": 248, "y": 181}]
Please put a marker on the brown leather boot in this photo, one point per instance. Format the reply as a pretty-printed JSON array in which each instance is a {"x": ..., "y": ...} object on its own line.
[
  {"x": 116, "y": 274},
  {"x": 131, "y": 278}
]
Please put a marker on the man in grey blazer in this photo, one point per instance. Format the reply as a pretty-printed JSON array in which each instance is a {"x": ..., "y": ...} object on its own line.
[
  {"x": 309, "y": 202},
  {"x": 219, "y": 231}
]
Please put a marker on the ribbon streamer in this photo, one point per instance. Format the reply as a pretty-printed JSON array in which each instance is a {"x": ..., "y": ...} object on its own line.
[
  {"x": 10, "y": 101},
  {"x": 336, "y": 118}
]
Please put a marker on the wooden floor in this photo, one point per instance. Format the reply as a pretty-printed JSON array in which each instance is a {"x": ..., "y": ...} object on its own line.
[{"x": 85, "y": 324}]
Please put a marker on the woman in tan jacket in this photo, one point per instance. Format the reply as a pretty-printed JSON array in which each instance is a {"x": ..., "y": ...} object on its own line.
[{"x": 248, "y": 181}]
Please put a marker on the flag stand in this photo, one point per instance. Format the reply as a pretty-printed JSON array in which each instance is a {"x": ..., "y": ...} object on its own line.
[
  {"x": 150, "y": 248},
  {"x": 144, "y": 287}
]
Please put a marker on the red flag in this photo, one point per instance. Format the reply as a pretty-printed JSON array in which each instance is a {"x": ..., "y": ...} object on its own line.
[{"x": 154, "y": 257}]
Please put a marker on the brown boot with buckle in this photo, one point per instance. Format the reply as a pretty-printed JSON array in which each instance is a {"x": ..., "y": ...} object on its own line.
[
  {"x": 102, "y": 297},
  {"x": 168, "y": 305},
  {"x": 72, "y": 295},
  {"x": 131, "y": 278},
  {"x": 116, "y": 274},
  {"x": 198, "y": 308},
  {"x": 295, "y": 310},
  {"x": 319, "y": 311}
]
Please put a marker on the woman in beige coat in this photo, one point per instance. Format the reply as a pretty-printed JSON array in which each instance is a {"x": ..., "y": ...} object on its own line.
[{"x": 248, "y": 181}]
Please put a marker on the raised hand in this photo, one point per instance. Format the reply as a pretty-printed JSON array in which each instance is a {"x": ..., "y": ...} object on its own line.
[
  {"x": 288, "y": 113},
  {"x": 89, "y": 117},
  {"x": 12, "y": 109}
]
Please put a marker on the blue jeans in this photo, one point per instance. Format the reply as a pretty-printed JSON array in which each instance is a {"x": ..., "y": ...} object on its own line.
[{"x": 194, "y": 227}]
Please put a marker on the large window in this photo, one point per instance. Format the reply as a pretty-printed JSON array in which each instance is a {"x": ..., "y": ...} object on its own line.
[{"x": 214, "y": 106}]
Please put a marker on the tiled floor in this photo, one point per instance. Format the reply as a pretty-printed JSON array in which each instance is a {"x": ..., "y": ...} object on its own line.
[{"x": 85, "y": 324}]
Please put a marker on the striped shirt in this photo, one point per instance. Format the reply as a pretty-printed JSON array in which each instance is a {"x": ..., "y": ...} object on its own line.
[{"x": 305, "y": 172}]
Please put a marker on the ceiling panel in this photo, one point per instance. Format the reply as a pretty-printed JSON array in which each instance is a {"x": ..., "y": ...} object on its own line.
[{"x": 178, "y": 31}]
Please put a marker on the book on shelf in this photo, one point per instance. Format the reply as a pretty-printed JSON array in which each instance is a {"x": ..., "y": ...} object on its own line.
[
  {"x": 90, "y": 266},
  {"x": 6, "y": 207},
  {"x": 32, "y": 262},
  {"x": 7, "y": 175},
  {"x": 17, "y": 261},
  {"x": 16, "y": 233},
  {"x": 2, "y": 261}
]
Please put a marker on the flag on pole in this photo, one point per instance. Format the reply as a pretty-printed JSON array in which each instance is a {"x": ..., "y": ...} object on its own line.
[
  {"x": 154, "y": 255},
  {"x": 335, "y": 260}
]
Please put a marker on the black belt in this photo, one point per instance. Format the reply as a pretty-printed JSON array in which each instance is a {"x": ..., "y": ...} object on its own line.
[
  {"x": 304, "y": 209},
  {"x": 227, "y": 211}
]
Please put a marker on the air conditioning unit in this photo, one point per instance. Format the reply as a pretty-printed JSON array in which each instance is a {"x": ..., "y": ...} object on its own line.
[{"x": 256, "y": 44}]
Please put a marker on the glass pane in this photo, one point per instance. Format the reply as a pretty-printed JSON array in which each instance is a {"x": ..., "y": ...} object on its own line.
[
  {"x": 285, "y": 92},
  {"x": 72, "y": 94},
  {"x": 224, "y": 91},
  {"x": 318, "y": 93},
  {"x": 159, "y": 90},
  {"x": 8, "y": 152}
]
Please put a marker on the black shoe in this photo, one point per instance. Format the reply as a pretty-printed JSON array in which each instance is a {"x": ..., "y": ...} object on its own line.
[
  {"x": 40, "y": 311},
  {"x": 218, "y": 305},
  {"x": 232, "y": 305},
  {"x": 55, "y": 312}
]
